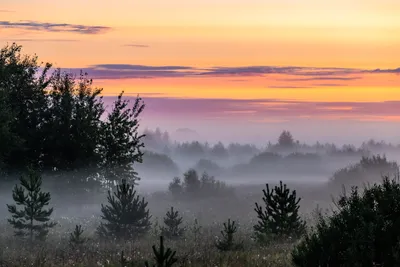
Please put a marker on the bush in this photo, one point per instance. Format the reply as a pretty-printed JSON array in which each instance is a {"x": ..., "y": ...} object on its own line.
[{"x": 364, "y": 231}]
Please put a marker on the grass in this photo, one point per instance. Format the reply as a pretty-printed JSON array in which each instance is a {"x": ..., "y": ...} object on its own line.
[{"x": 192, "y": 250}]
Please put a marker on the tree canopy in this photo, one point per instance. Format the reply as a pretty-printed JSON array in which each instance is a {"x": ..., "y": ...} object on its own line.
[{"x": 57, "y": 120}]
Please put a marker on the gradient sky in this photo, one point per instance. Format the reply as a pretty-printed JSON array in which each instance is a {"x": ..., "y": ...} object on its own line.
[{"x": 323, "y": 69}]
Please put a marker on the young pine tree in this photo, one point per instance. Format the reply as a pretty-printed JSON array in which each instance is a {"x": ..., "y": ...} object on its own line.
[
  {"x": 281, "y": 215},
  {"x": 172, "y": 221},
  {"x": 76, "y": 238},
  {"x": 33, "y": 219},
  {"x": 163, "y": 257},
  {"x": 227, "y": 242},
  {"x": 126, "y": 216}
]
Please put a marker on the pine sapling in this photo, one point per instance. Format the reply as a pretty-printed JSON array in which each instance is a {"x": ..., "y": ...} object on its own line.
[
  {"x": 172, "y": 222},
  {"x": 163, "y": 257},
  {"x": 33, "y": 219},
  {"x": 76, "y": 238},
  {"x": 227, "y": 242},
  {"x": 281, "y": 215},
  {"x": 126, "y": 216},
  {"x": 196, "y": 230}
]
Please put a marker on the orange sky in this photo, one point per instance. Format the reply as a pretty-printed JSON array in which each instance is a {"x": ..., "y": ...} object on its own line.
[{"x": 218, "y": 43}]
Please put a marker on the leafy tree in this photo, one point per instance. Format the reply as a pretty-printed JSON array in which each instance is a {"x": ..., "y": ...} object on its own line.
[
  {"x": 73, "y": 122},
  {"x": 9, "y": 141},
  {"x": 227, "y": 242},
  {"x": 76, "y": 238},
  {"x": 363, "y": 231},
  {"x": 126, "y": 216},
  {"x": 281, "y": 215},
  {"x": 163, "y": 257},
  {"x": 120, "y": 143},
  {"x": 172, "y": 228},
  {"x": 24, "y": 89},
  {"x": 55, "y": 120},
  {"x": 33, "y": 219}
]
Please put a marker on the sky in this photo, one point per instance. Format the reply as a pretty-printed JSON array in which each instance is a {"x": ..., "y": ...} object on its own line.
[{"x": 237, "y": 70}]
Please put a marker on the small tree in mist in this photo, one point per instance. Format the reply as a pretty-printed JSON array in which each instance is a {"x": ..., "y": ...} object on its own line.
[
  {"x": 121, "y": 144},
  {"x": 175, "y": 187},
  {"x": 173, "y": 222},
  {"x": 126, "y": 215},
  {"x": 286, "y": 140},
  {"x": 33, "y": 219},
  {"x": 281, "y": 214},
  {"x": 227, "y": 242},
  {"x": 76, "y": 237}
]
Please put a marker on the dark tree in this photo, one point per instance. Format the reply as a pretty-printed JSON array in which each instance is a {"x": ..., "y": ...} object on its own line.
[
  {"x": 24, "y": 90},
  {"x": 227, "y": 242},
  {"x": 9, "y": 141},
  {"x": 191, "y": 182},
  {"x": 33, "y": 219},
  {"x": 173, "y": 222},
  {"x": 76, "y": 238},
  {"x": 286, "y": 140},
  {"x": 363, "y": 231},
  {"x": 163, "y": 257},
  {"x": 120, "y": 142},
  {"x": 126, "y": 215},
  {"x": 281, "y": 214},
  {"x": 73, "y": 122},
  {"x": 56, "y": 121}
]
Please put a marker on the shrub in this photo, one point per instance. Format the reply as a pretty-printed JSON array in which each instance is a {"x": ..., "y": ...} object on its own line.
[{"x": 364, "y": 231}]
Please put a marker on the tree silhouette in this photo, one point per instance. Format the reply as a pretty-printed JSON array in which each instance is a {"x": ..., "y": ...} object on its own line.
[
  {"x": 281, "y": 215},
  {"x": 33, "y": 219},
  {"x": 126, "y": 215},
  {"x": 286, "y": 140},
  {"x": 172, "y": 228},
  {"x": 120, "y": 142}
]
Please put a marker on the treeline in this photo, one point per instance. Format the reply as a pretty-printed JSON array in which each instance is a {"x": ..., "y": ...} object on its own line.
[
  {"x": 161, "y": 142},
  {"x": 56, "y": 121}
]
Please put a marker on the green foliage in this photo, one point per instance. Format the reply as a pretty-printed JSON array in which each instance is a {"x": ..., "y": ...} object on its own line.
[
  {"x": 163, "y": 257},
  {"x": 76, "y": 238},
  {"x": 120, "y": 144},
  {"x": 33, "y": 219},
  {"x": 24, "y": 94},
  {"x": 126, "y": 216},
  {"x": 281, "y": 214},
  {"x": 364, "y": 231},
  {"x": 55, "y": 120},
  {"x": 227, "y": 242},
  {"x": 72, "y": 123},
  {"x": 172, "y": 228}
]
